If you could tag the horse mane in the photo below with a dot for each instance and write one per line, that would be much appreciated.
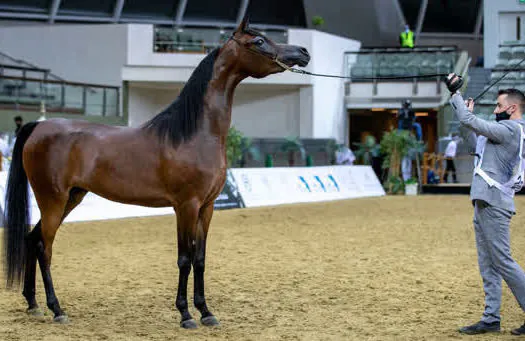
(181, 119)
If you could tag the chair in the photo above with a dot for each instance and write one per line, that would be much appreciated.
(518, 52)
(505, 53)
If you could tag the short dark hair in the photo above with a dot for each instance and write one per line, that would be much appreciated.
(515, 95)
(18, 118)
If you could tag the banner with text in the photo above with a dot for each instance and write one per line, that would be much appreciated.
(274, 186)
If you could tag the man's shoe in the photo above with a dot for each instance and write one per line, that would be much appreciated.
(518, 331)
(480, 328)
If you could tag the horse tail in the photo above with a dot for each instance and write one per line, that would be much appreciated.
(16, 210)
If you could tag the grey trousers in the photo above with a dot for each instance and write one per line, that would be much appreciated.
(491, 225)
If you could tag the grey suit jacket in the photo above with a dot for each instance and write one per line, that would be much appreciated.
(499, 156)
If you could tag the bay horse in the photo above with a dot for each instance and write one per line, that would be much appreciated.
(177, 159)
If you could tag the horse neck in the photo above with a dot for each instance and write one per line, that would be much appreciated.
(219, 95)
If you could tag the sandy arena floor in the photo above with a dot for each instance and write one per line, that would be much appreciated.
(368, 269)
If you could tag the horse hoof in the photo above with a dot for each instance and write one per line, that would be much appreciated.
(189, 324)
(210, 321)
(35, 312)
(62, 319)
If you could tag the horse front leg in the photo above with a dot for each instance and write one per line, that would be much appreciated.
(187, 216)
(207, 318)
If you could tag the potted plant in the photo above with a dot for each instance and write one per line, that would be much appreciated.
(317, 21)
(395, 145)
(237, 147)
(292, 146)
(411, 186)
(367, 151)
(330, 150)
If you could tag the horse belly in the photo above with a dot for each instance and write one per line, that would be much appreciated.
(129, 186)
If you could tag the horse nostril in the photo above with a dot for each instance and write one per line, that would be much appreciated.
(304, 51)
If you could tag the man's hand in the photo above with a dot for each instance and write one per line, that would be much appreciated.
(470, 104)
(453, 82)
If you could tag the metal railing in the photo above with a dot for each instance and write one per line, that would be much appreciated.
(59, 96)
(5, 58)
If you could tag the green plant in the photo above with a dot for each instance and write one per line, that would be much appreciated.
(317, 20)
(411, 181)
(268, 162)
(309, 161)
(367, 150)
(331, 148)
(395, 145)
(237, 146)
(394, 185)
(292, 145)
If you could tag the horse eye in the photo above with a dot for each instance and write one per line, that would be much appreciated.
(259, 42)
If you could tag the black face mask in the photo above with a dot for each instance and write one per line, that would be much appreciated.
(502, 116)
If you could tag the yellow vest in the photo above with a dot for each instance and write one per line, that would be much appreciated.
(407, 39)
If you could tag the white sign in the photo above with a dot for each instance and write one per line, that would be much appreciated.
(274, 186)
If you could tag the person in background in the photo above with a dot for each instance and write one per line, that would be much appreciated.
(450, 155)
(344, 156)
(407, 119)
(406, 38)
(19, 123)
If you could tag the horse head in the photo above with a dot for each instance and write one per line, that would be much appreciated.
(258, 55)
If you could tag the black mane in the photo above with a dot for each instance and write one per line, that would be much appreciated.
(181, 120)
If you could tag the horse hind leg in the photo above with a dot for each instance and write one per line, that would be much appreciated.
(52, 216)
(29, 291)
(199, 256)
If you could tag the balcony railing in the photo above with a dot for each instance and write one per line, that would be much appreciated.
(199, 40)
(59, 96)
(389, 62)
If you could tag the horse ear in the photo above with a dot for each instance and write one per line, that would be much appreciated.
(244, 23)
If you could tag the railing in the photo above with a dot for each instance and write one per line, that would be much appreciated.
(24, 72)
(59, 96)
(388, 62)
(199, 40)
(5, 58)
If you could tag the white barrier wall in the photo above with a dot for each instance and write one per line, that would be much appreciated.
(256, 187)
(276, 186)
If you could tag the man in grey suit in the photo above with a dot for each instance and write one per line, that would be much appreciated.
(498, 174)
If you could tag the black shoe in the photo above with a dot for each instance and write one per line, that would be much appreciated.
(480, 328)
(518, 331)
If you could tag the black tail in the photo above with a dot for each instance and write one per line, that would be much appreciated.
(16, 211)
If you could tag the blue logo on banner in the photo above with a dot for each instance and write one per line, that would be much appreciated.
(331, 177)
(319, 180)
(305, 183)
